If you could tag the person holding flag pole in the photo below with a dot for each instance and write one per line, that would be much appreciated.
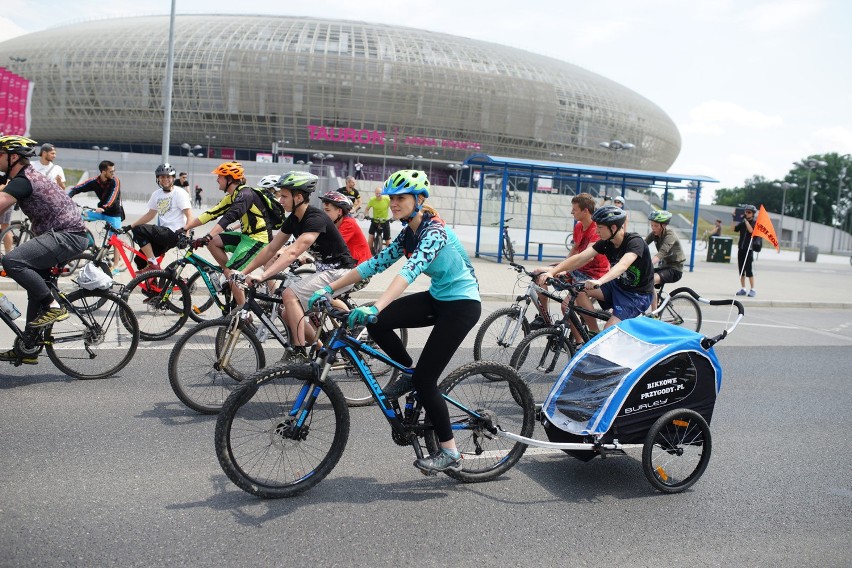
(749, 228)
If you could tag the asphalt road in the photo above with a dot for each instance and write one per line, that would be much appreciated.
(118, 473)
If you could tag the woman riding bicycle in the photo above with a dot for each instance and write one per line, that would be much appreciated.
(452, 304)
(337, 206)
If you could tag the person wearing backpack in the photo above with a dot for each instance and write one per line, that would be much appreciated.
(240, 203)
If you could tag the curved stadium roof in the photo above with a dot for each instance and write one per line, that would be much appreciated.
(251, 80)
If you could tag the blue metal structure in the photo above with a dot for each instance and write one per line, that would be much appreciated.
(579, 174)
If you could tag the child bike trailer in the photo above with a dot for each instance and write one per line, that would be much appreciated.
(641, 382)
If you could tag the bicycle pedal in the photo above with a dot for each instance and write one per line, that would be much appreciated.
(427, 473)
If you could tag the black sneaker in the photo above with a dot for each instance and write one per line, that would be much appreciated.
(442, 461)
(403, 385)
(537, 323)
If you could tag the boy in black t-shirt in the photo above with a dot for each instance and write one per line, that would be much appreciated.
(313, 230)
(628, 286)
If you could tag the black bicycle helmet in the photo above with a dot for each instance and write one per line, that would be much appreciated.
(609, 215)
(164, 170)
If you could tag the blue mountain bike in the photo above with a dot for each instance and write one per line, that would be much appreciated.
(283, 430)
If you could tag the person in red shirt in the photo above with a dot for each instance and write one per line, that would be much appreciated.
(585, 233)
(337, 206)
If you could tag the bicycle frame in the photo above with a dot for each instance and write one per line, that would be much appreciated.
(205, 268)
(111, 240)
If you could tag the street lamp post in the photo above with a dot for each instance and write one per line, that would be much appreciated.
(836, 219)
(810, 165)
(458, 169)
(412, 157)
(322, 158)
(209, 137)
(190, 153)
(276, 149)
(385, 157)
(783, 186)
(432, 155)
(99, 148)
(616, 146)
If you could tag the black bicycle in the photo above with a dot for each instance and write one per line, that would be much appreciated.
(377, 232)
(97, 339)
(210, 360)
(508, 249)
(284, 430)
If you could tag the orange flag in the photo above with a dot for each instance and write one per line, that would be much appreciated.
(763, 228)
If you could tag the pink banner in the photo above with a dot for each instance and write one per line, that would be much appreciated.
(15, 96)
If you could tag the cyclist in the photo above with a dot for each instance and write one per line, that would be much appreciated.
(452, 304)
(585, 233)
(669, 259)
(107, 187)
(57, 226)
(628, 285)
(313, 229)
(618, 201)
(717, 229)
(353, 194)
(240, 203)
(337, 207)
(172, 210)
(380, 222)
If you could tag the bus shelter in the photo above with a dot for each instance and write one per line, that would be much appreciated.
(541, 188)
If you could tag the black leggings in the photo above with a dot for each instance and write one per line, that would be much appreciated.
(451, 320)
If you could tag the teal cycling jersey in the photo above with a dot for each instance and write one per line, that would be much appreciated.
(434, 250)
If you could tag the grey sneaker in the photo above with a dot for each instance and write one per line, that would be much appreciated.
(752, 293)
(741, 292)
(442, 461)
(403, 384)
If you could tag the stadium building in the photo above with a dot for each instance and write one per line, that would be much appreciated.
(301, 89)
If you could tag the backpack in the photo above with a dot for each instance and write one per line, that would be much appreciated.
(757, 244)
(274, 213)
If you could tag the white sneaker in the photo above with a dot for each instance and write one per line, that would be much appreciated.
(752, 293)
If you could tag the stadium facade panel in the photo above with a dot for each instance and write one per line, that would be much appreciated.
(330, 86)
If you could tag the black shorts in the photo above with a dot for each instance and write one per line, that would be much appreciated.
(668, 274)
(383, 226)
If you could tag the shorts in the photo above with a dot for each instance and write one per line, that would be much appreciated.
(625, 305)
(310, 283)
(745, 261)
(377, 226)
(577, 276)
(115, 222)
(668, 274)
(242, 247)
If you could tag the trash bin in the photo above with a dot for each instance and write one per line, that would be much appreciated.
(811, 253)
(719, 249)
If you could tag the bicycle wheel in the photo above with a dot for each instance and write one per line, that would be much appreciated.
(160, 301)
(256, 440)
(501, 399)
(196, 373)
(98, 340)
(19, 233)
(79, 261)
(202, 307)
(569, 241)
(541, 357)
(701, 245)
(508, 248)
(499, 334)
(682, 310)
(677, 450)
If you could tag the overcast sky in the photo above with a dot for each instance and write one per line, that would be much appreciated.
(752, 85)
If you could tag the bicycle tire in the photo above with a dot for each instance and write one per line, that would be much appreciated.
(194, 372)
(250, 439)
(20, 235)
(496, 392)
(160, 302)
(499, 335)
(96, 342)
(569, 241)
(541, 357)
(682, 310)
(677, 450)
(202, 307)
(701, 245)
(508, 248)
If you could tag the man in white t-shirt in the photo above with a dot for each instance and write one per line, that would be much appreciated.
(46, 166)
(173, 209)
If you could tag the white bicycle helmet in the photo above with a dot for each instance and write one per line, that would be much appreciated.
(268, 182)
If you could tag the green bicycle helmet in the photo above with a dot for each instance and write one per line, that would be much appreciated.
(301, 181)
(408, 182)
(660, 216)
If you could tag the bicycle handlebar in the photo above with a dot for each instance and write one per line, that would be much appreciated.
(709, 342)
